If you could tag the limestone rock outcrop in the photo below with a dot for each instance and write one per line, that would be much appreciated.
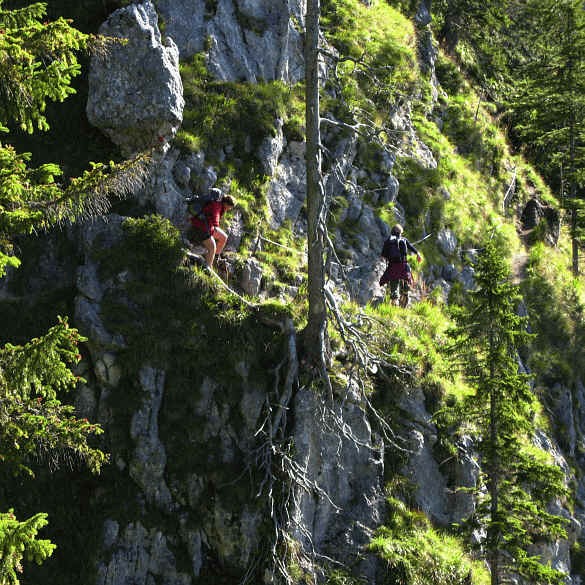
(245, 39)
(135, 90)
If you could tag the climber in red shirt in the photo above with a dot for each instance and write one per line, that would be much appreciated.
(205, 227)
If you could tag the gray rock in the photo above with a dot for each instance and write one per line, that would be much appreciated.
(88, 282)
(235, 231)
(148, 464)
(196, 162)
(111, 531)
(580, 408)
(287, 190)
(427, 55)
(89, 320)
(354, 208)
(107, 371)
(384, 229)
(85, 402)
(422, 469)
(391, 192)
(399, 213)
(400, 119)
(557, 553)
(387, 162)
(182, 173)
(450, 273)
(271, 149)
(248, 39)
(444, 286)
(135, 91)
(466, 278)
(447, 242)
(234, 535)
(563, 409)
(352, 476)
(139, 555)
(467, 474)
(162, 191)
(251, 277)
(193, 541)
(209, 179)
(534, 212)
(369, 226)
(445, 193)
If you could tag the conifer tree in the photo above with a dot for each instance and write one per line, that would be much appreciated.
(548, 104)
(37, 64)
(520, 481)
(473, 21)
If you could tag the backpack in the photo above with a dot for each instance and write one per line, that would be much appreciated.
(196, 203)
(391, 250)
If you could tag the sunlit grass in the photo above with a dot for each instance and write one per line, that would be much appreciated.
(418, 554)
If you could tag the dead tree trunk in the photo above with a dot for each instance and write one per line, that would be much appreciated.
(315, 333)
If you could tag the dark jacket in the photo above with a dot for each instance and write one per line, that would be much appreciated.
(399, 269)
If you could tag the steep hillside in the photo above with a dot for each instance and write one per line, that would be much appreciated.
(232, 462)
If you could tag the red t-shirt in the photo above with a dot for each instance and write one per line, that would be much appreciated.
(213, 212)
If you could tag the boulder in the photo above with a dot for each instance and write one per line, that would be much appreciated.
(135, 89)
(534, 212)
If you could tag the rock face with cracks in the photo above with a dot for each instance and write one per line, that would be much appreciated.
(246, 39)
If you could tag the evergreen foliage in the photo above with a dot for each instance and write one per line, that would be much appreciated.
(548, 105)
(33, 421)
(37, 64)
(17, 542)
(472, 21)
(520, 481)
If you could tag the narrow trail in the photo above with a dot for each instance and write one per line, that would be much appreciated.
(518, 267)
(520, 259)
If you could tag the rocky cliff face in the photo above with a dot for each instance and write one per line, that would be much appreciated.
(183, 401)
(248, 39)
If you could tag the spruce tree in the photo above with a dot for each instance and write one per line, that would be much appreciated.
(37, 63)
(548, 103)
(519, 480)
(471, 21)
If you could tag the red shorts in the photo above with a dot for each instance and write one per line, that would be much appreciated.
(396, 271)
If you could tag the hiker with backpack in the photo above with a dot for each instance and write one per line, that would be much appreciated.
(206, 213)
(398, 272)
